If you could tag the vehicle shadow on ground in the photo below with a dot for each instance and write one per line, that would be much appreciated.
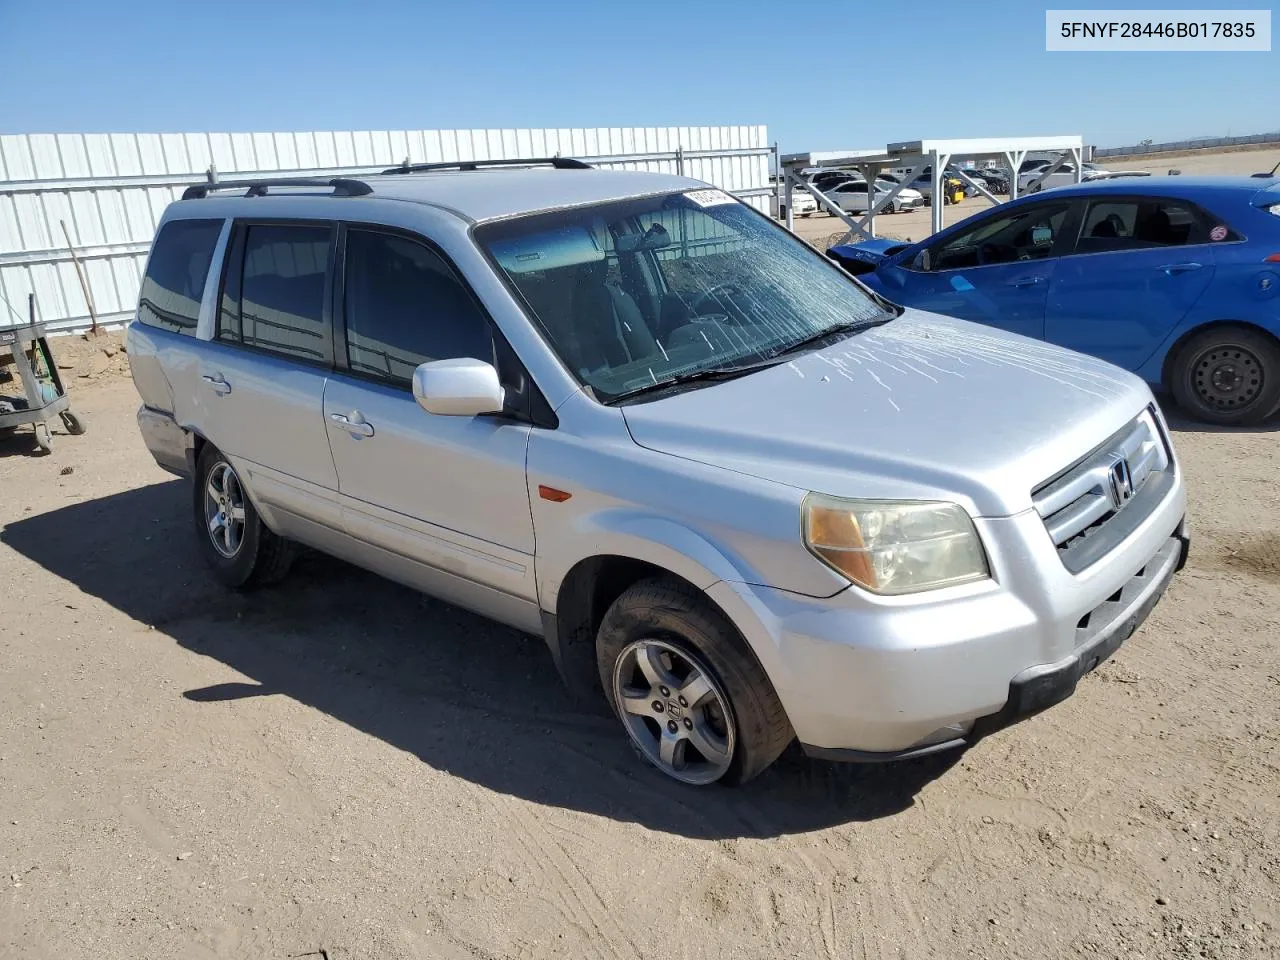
(465, 695)
(1180, 422)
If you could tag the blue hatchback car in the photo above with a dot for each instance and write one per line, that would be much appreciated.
(1174, 278)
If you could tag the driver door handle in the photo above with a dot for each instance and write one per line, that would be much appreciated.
(1026, 281)
(1173, 269)
(359, 428)
(219, 384)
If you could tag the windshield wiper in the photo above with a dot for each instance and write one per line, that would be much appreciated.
(711, 374)
(847, 327)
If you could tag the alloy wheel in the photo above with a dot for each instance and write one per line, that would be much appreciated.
(675, 711)
(224, 509)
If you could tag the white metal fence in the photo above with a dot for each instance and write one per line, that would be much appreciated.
(104, 193)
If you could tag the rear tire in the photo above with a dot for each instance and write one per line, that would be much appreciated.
(234, 541)
(1228, 375)
(738, 713)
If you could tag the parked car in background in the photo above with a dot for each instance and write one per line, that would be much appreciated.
(852, 197)
(743, 499)
(954, 189)
(890, 180)
(994, 180)
(1063, 176)
(911, 196)
(829, 179)
(803, 203)
(1176, 279)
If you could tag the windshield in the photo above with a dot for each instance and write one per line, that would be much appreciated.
(634, 293)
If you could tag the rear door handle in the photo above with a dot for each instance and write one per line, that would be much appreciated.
(220, 386)
(1172, 269)
(359, 428)
(1026, 281)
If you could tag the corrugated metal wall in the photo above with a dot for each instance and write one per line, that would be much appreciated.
(110, 189)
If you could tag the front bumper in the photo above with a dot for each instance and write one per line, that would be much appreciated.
(883, 678)
(1037, 688)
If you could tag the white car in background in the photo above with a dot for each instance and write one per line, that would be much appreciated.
(909, 196)
(1064, 175)
(852, 197)
(802, 203)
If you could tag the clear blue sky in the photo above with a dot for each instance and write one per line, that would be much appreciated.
(815, 75)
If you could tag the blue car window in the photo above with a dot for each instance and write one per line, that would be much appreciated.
(1137, 224)
(1027, 234)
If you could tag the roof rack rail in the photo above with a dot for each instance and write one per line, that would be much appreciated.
(342, 186)
(560, 163)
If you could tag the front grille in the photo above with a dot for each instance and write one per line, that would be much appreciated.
(1080, 502)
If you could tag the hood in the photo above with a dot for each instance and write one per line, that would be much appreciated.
(924, 407)
(862, 258)
(872, 251)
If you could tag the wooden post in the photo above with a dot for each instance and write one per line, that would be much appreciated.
(84, 279)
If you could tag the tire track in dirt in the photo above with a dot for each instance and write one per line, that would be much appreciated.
(581, 901)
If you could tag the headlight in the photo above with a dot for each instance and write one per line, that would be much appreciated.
(892, 547)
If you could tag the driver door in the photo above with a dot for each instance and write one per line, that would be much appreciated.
(996, 271)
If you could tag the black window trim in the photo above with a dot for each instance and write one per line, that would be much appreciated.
(237, 242)
(527, 401)
(1205, 220)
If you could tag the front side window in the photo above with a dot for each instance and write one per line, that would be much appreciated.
(1135, 224)
(176, 274)
(635, 294)
(404, 306)
(1027, 234)
(282, 291)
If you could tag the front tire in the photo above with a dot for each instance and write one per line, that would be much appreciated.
(234, 541)
(692, 697)
(1228, 376)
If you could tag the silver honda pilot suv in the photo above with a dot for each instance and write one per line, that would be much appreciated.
(744, 497)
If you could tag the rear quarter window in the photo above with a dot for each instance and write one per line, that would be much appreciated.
(176, 274)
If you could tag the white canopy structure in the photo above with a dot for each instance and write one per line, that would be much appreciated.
(937, 154)
(913, 156)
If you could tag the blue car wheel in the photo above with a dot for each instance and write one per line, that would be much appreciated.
(1228, 375)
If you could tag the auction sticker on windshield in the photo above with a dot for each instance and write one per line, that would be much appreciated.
(710, 198)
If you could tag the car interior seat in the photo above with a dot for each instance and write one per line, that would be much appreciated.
(604, 326)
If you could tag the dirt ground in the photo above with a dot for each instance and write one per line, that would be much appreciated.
(342, 768)
(824, 229)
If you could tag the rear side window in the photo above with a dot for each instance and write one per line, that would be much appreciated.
(282, 288)
(176, 272)
(1138, 225)
(405, 306)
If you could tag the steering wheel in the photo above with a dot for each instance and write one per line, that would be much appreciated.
(721, 309)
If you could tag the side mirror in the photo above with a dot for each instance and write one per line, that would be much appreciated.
(458, 388)
(923, 261)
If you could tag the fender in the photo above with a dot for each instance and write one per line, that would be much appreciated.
(638, 535)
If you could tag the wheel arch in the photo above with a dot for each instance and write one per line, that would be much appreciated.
(1171, 354)
(587, 591)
